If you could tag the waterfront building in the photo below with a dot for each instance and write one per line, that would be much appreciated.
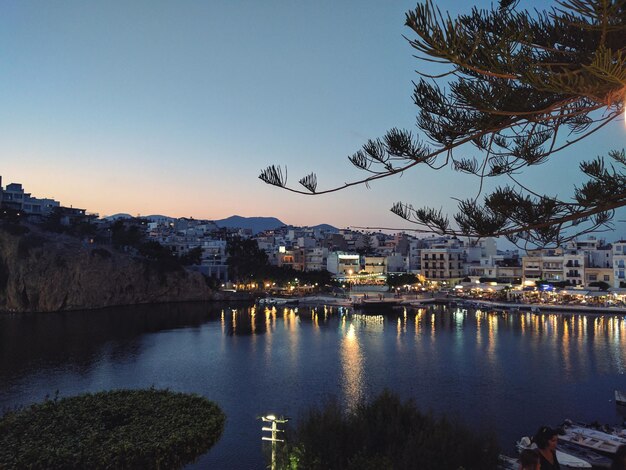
(579, 264)
(505, 268)
(619, 264)
(342, 263)
(375, 264)
(443, 262)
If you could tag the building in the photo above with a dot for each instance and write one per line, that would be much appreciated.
(443, 263)
(14, 197)
(619, 263)
(343, 264)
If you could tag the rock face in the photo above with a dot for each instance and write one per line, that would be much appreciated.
(42, 272)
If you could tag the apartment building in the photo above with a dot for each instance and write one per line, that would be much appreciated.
(443, 263)
(343, 264)
(619, 263)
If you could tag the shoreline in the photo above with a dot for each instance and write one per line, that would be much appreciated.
(387, 302)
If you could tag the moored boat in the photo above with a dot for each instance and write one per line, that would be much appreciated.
(278, 301)
(566, 460)
(595, 459)
(593, 439)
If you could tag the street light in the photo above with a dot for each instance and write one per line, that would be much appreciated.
(274, 421)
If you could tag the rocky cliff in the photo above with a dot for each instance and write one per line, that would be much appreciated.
(43, 272)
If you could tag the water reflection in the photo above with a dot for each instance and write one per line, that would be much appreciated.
(351, 365)
(480, 364)
(79, 339)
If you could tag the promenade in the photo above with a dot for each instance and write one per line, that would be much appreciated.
(413, 301)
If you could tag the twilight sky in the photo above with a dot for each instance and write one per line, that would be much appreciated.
(174, 107)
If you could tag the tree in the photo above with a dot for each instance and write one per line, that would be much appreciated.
(397, 280)
(386, 433)
(518, 88)
(245, 259)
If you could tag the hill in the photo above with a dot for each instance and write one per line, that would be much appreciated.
(256, 224)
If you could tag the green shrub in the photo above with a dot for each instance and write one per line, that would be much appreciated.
(116, 429)
(385, 434)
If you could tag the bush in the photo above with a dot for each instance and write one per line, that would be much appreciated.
(385, 434)
(114, 429)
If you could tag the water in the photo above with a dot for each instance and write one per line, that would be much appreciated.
(506, 373)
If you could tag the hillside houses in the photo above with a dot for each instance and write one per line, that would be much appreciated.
(359, 256)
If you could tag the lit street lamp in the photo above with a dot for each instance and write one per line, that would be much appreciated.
(274, 421)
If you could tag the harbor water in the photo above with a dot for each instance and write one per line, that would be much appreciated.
(506, 373)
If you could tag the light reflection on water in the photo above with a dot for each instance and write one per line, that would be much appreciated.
(509, 371)
(351, 365)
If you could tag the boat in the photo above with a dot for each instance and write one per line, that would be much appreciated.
(594, 458)
(620, 397)
(278, 302)
(566, 460)
(593, 439)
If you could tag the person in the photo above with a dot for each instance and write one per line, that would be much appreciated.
(546, 440)
(619, 459)
(529, 460)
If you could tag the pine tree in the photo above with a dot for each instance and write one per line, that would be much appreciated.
(520, 86)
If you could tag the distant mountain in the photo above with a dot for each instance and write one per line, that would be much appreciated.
(325, 228)
(151, 218)
(117, 216)
(159, 218)
(256, 224)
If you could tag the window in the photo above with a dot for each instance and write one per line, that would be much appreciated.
(607, 277)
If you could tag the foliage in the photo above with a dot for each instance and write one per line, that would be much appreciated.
(123, 235)
(384, 434)
(517, 87)
(115, 429)
(52, 222)
(603, 286)
(248, 263)
(395, 280)
(193, 256)
(245, 259)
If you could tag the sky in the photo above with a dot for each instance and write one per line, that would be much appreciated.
(175, 107)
